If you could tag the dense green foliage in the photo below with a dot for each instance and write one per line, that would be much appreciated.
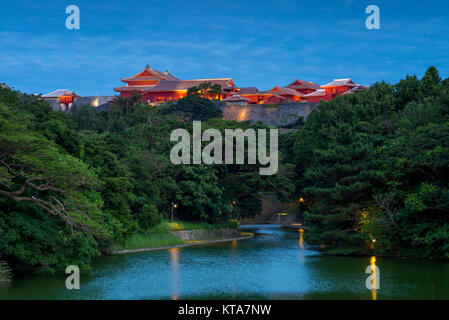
(77, 185)
(193, 107)
(374, 169)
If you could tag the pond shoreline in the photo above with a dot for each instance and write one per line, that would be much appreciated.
(189, 244)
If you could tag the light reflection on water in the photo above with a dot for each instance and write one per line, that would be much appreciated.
(174, 253)
(375, 276)
(276, 264)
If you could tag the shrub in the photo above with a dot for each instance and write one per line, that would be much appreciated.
(149, 217)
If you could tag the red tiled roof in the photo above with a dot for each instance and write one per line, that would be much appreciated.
(284, 91)
(341, 83)
(318, 93)
(143, 78)
(301, 84)
(150, 74)
(357, 89)
(273, 96)
(236, 97)
(173, 85)
(248, 90)
(58, 93)
(133, 88)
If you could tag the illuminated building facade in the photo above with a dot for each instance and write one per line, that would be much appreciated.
(159, 87)
(64, 98)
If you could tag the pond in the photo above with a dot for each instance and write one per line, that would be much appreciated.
(275, 264)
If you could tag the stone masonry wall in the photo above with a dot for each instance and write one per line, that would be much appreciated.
(277, 115)
(207, 234)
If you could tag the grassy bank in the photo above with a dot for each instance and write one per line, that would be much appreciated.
(178, 225)
(160, 235)
(151, 240)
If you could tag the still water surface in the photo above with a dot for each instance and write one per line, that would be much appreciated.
(276, 264)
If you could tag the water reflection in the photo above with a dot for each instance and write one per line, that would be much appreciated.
(277, 263)
(374, 277)
(174, 255)
(234, 262)
(301, 240)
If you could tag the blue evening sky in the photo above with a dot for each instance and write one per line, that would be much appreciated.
(257, 43)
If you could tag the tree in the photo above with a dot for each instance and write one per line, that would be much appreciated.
(122, 105)
(85, 118)
(428, 85)
(206, 90)
(149, 216)
(374, 169)
(193, 107)
(34, 170)
(50, 208)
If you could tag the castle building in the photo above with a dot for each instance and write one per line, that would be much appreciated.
(304, 87)
(339, 86)
(285, 93)
(61, 99)
(144, 80)
(156, 87)
(251, 93)
(175, 89)
(237, 99)
(316, 96)
(64, 100)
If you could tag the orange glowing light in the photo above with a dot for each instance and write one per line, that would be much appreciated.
(95, 103)
(373, 281)
(243, 115)
(301, 240)
(174, 255)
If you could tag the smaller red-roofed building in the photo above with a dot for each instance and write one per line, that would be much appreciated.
(304, 87)
(317, 96)
(62, 97)
(251, 93)
(274, 99)
(339, 86)
(289, 95)
(357, 89)
(237, 99)
(255, 96)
